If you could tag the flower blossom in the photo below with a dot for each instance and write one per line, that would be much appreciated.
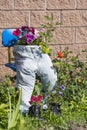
(33, 99)
(60, 93)
(45, 106)
(36, 34)
(29, 38)
(36, 99)
(39, 98)
(62, 87)
(24, 28)
(16, 32)
(31, 29)
(60, 54)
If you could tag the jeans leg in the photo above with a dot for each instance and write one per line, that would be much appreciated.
(26, 81)
(47, 72)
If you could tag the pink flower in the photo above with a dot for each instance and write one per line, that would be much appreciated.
(39, 98)
(36, 34)
(36, 99)
(31, 29)
(33, 99)
(16, 32)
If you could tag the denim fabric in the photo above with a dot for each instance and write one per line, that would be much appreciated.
(29, 62)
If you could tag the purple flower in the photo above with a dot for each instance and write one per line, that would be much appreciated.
(30, 38)
(31, 29)
(26, 35)
(24, 28)
(62, 87)
(60, 93)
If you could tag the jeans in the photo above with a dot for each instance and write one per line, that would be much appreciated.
(29, 62)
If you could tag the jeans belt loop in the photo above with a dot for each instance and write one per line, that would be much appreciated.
(32, 49)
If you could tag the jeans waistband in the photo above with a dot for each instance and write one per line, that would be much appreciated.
(27, 48)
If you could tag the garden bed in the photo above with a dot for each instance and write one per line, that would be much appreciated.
(70, 93)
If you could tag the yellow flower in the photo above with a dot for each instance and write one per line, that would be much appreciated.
(44, 47)
(46, 50)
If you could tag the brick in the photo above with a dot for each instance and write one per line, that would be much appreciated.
(4, 71)
(63, 47)
(78, 48)
(81, 4)
(68, 18)
(74, 18)
(64, 35)
(3, 55)
(3, 60)
(81, 35)
(55, 48)
(60, 4)
(6, 4)
(68, 48)
(13, 19)
(38, 18)
(30, 4)
(58, 47)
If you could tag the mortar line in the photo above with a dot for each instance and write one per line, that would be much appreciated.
(14, 5)
(29, 18)
(75, 4)
(75, 37)
(45, 5)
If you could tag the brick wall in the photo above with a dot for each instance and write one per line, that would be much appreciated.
(71, 13)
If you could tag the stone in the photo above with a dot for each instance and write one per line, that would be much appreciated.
(81, 35)
(38, 18)
(81, 4)
(74, 18)
(30, 4)
(6, 4)
(64, 35)
(13, 19)
(60, 4)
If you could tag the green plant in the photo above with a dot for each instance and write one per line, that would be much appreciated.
(14, 113)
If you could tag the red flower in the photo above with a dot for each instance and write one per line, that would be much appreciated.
(16, 32)
(24, 28)
(31, 29)
(60, 54)
(33, 99)
(36, 99)
(39, 98)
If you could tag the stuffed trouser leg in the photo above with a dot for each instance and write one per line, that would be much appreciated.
(26, 81)
(48, 73)
(26, 70)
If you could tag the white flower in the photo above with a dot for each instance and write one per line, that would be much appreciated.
(45, 106)
(36, 33)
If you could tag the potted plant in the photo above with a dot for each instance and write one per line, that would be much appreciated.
(31, 36)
